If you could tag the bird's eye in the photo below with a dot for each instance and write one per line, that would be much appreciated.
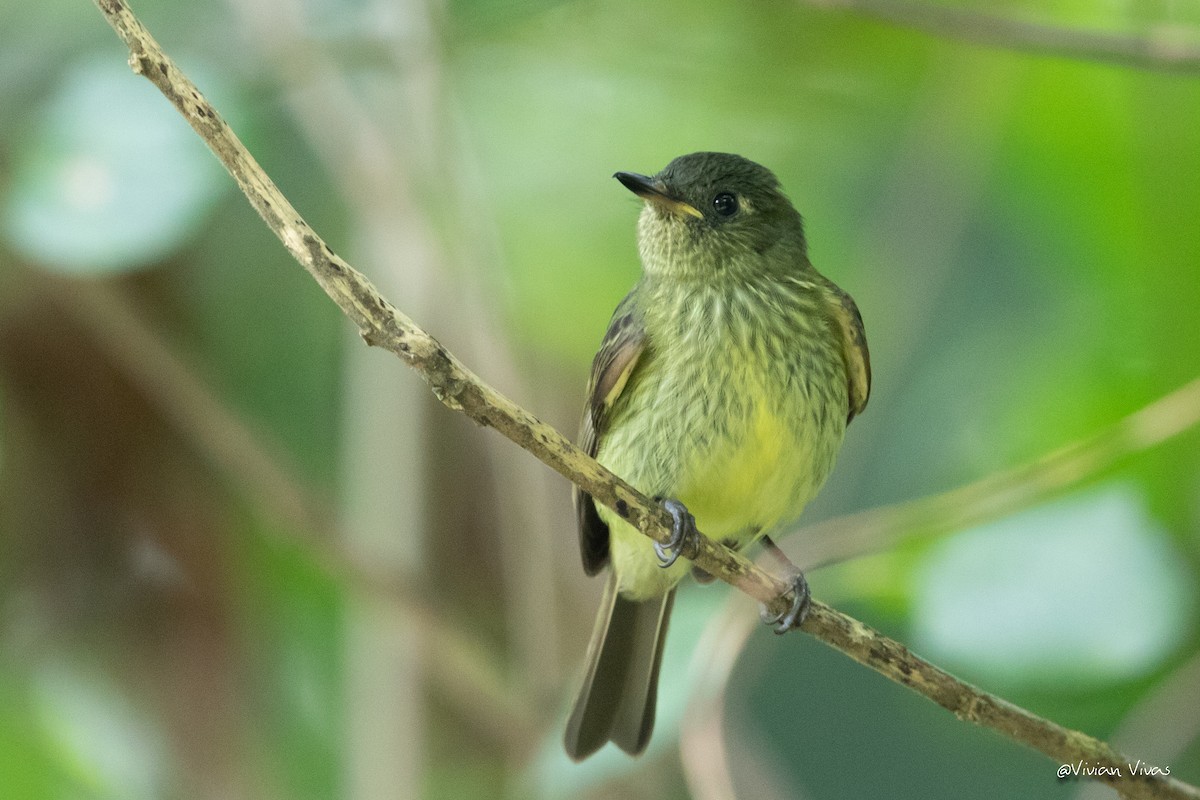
(725, 204)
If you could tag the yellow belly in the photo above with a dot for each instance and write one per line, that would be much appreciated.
(739, 486)
(747, 485)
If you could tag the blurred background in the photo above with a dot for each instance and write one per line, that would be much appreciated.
(244, 556)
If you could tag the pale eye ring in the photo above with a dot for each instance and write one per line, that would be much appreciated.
(725, 204)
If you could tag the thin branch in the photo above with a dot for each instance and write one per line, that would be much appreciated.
(1165, 721)
(117, 326)
(1001, 493)
(703, 749)
(1164, 47)
(381, 325)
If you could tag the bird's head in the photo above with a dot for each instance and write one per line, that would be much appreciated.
(713, 214)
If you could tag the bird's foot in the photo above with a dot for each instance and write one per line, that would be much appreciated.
(794, 616)
(684, 536)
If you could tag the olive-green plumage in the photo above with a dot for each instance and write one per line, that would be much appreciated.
(726, 380)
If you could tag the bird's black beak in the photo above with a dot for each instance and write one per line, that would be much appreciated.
(654, 191)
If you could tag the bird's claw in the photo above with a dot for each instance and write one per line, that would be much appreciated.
(684, 535)
(794, 616)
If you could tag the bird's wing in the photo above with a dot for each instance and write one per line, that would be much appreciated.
(619, 353)
(848, 325)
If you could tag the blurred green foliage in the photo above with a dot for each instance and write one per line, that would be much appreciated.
(1019, 230)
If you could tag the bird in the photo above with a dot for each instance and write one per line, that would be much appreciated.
(722, 388)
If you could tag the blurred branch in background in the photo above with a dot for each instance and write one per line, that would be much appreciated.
(458, 669)
(1001, 493)
(386, 463)
(119, 328)
(381, 324)
(1164, 47)
(379, 162)
(703, 746)
(1163, 724)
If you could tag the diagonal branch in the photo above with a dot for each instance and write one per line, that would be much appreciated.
(381, 325)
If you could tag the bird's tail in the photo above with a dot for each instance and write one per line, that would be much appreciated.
(620, 687)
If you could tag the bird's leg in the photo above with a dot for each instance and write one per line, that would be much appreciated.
(801, 596)
(684, 535)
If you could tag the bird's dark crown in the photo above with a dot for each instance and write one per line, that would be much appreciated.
(698, 178)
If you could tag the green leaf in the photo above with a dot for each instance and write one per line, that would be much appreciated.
(1087, 589)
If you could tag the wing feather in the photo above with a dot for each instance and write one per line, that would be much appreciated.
(847, 323)
(615, 362)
